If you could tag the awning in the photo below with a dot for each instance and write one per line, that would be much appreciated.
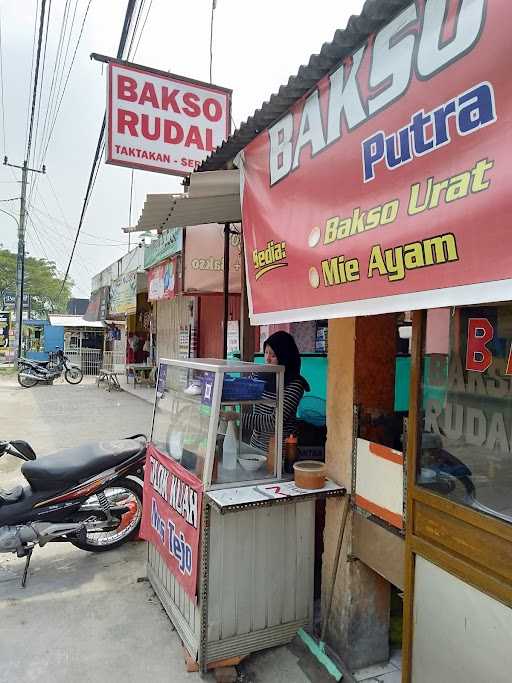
(73, 321)
(213, 197)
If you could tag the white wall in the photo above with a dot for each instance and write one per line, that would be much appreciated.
(461, 635)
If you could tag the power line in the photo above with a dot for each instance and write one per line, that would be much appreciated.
(94, 170)
(51, 94)
(136, 26)
(36, 78)
(55, 69)
(143, 27)
(57, 110)
(214, 5)
(42, 74)
(32, 67)
(107, 242)
(2, 87)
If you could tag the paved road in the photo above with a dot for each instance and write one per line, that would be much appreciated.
(85, 617)
(82, 617)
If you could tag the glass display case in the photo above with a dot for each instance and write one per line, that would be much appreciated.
(221, 420)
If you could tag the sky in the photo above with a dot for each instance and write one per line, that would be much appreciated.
(256, 47)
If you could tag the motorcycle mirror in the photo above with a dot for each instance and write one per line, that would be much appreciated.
(25, 449)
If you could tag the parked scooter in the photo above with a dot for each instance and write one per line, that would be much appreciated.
(30, 372)
(90, 496)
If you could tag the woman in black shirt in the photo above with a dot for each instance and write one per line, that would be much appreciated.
(279, 349)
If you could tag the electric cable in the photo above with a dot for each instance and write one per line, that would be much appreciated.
(4, 134)
(143, 27)
(32, 69)
(42, 77)
(94, 170)
(214, 5)
(36, 78)
(55, 70)
(136, 25)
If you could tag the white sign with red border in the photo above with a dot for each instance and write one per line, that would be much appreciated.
(162, 122)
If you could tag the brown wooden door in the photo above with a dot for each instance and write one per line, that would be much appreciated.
(468, 550)
(211, 318)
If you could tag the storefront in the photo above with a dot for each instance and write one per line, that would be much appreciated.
(191, 315)
(171, 312)
(383, 189)
(203, 278)
(130, 309)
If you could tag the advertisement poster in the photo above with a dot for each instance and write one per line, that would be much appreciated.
(204, 259)
(157, 121)
(386, 188)
(5, 319)
(123, 294)
(98, 305)
(9, 301)
(163, 280)
(167, 244)
(233, 337)
(171, 518)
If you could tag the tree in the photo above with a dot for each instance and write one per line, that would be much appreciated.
(42, 281)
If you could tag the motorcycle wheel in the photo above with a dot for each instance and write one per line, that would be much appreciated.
(74, 376)
(26, 382)
(124, 493)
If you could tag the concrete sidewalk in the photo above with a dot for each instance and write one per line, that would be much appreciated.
(84, 616)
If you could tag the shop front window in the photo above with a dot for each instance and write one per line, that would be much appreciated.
(465, 453)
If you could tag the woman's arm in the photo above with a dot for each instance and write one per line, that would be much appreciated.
(266, 422)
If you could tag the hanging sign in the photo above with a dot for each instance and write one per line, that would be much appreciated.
(10, 300)
(161, 122)
(204, 259)
(167, 244)
(123, 294)
(97, 308)
(387, 187)
(171, 516)
(163, 280)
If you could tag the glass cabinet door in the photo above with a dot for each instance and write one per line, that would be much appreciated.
(181, 419)
(225, 427)
(465, 453)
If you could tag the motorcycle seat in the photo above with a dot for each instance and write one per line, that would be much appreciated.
(75, 465)
(12, 496)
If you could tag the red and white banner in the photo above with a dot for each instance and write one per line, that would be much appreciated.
(161, 122)
(171, 517)
(163, 280)
(387, 187)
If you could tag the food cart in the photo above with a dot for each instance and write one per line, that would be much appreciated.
(231, 541)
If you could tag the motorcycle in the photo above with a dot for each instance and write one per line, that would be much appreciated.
(30, 372)
(89, 496)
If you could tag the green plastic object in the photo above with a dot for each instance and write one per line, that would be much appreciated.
(317, 649)
(403, 377)
(314, 369)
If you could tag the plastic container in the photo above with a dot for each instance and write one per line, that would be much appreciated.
(242, 388)
(251, 462)
(309, 474)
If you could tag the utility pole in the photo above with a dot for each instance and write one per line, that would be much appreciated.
(20, 259)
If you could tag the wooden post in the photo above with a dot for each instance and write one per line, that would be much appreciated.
(418, 334)
(247, 345)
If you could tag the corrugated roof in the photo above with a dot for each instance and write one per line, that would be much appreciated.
(374, 15)
(212, 198)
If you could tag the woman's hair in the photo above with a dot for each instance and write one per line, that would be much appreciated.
(287, 353)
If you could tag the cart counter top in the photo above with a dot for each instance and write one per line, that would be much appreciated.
(243, 497)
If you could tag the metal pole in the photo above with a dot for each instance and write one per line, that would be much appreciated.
(227, 233)
(20, 263)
